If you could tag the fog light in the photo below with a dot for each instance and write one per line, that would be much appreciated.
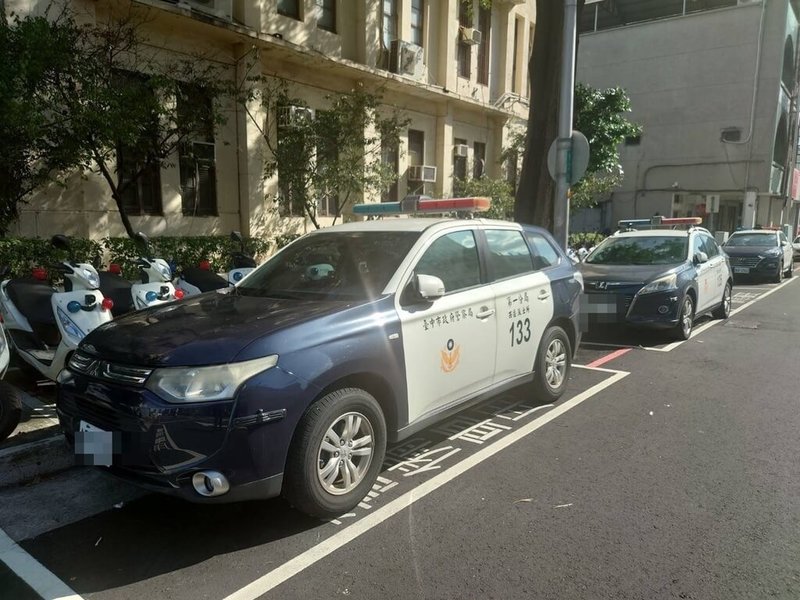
(663, 309)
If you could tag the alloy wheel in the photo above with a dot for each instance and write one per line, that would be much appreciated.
(345, 453)
(555, 363)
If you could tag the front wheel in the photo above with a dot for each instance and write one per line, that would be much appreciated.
(553, 362)
(336, 453)
(10, 410)
(683, 330)
(723, 311)
(790, 271)
(779, 275)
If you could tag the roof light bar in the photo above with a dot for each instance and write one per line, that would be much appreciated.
(424, 204)
(659, 221)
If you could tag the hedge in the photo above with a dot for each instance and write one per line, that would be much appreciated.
(23, 254)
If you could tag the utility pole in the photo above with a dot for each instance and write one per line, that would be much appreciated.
(565, 115)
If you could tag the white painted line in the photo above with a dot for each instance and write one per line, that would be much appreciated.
(762, 296)
(316, 553)
(32, 572)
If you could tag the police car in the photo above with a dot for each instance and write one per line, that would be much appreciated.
(761, 253)
(294, 381)
(658, 277)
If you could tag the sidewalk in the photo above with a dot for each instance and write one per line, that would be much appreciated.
(36, 447)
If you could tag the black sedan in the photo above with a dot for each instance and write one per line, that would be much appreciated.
(656, 278)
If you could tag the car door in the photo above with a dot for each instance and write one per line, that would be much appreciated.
(788, 252)
(523, 299)
(717, 267)
(449, 344)
(706, 286)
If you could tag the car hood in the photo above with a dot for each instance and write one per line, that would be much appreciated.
(749, 250)
(211, 328)
(626, 273)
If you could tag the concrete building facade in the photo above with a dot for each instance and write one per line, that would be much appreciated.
(712, 83)
(462, 88)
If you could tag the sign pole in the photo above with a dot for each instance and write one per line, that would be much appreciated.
(565, 110)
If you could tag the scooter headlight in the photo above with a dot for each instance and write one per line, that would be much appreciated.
(69, 326)
(165, 271)
(92, 278)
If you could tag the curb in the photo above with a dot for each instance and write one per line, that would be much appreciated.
(22, 463)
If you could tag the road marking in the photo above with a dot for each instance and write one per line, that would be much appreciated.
(316, 553)
(608, 357)
(32, 572)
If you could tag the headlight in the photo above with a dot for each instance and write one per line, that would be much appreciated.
(92, 278)
(662, 284)
(165, 271)
(203, 384)
(70, 328)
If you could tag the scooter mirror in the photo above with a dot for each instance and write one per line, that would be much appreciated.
(60, 241)
(144, 242)
(236, 236)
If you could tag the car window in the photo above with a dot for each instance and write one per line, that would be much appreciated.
(710, 246)
(656, 250)
(332, 265)
(453, 258)
(509, 255)
(544, 255)
(782, 237)
(752, 239)
(697, 244)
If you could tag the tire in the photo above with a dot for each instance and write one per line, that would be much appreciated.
(306, 484)
(10, 410)
(553, 364)
(779, 277)
(723, 311)
(683, 330)
(790, 271)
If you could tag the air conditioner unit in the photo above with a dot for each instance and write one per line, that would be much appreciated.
(406, 58)
(424, 173)
(219, 8)
(470, 35)
(460, 150)
(294, 116)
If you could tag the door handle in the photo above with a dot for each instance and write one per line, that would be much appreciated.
(485, 313)
(544, 295)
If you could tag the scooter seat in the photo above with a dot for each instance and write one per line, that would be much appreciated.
(119, 290)
(32, 298)
(203, 280)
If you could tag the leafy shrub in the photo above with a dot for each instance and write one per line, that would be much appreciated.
(579, 239)
(21, 255)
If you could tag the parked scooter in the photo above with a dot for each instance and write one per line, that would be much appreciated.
(44, 325)
(199, 279)
(10, 403)
(156, 285)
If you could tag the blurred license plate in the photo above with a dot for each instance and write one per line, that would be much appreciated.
(741, 269)
(94, 446)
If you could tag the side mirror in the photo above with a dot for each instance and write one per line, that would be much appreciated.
(143, 242)
(428, 287)
(60, 241)
(784, 243)
(700, 258)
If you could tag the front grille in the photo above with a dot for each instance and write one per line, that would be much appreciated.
(744, 261)
(102, 369)
(99, 414)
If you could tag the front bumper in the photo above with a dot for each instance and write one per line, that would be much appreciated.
(658, 310)
(755, 267)
(159, 446)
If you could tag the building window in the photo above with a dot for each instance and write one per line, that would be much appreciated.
(389, 22)
(197, 154)
(327, 15)
(417, 21)
(464, 50)
(292, 183)
(390, 156)
(478, 160)
(459, 162)
(416, 147)
(289, 8)
(485, 27)
(515, 52)
(138, 169)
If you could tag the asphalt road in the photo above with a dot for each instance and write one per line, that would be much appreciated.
(669, 471)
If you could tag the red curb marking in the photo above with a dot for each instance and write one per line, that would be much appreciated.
(609, 357)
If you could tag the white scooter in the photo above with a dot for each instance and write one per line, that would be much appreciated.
(44, 325)
(156, 285)
(243, 263)
(199, 279)
(10, 403)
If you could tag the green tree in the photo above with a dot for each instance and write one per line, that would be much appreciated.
(330, 156)
(97, 98)
(38, 144)
(498, 190)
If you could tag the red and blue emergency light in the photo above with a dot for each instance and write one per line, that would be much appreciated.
(424, 204)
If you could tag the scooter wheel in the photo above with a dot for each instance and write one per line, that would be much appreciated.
(10, 410)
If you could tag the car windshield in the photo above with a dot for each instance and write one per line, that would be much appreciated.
(752, 239)
(332, 265)
(656, 250)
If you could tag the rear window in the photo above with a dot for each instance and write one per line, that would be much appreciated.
(654, 250)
